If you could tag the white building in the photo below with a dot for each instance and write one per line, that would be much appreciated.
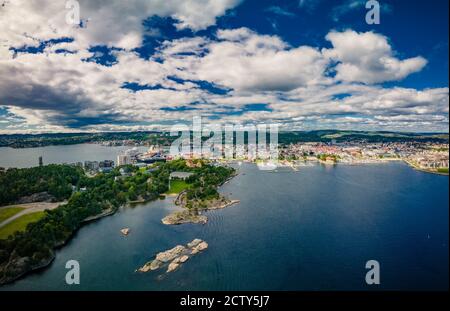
(123, 159)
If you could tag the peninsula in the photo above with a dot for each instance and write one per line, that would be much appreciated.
(201, 195)
(88, 199)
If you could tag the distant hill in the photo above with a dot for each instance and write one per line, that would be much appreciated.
(340, 136)
(163, 138)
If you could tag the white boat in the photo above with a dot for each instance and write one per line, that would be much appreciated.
(267, 165)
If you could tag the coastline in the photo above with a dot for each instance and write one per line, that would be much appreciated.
(20, 266)
(40, 266)
(295, 166)
(145, 254)
(47, 261)
(420, 169)
(199, 219)
(105, 213)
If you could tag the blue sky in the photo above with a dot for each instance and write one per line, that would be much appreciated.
(304, 64)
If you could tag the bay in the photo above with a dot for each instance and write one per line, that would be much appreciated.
(313, 229)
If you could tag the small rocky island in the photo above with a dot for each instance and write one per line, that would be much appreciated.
(173, 258)
(193, 209)
(125, 231)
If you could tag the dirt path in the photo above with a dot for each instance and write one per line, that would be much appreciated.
(28, 209)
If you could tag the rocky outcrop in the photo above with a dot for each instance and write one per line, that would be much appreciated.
(220, 204)
(20, 266)
(36, 197)
(183, 217)
(193, 215)
(175, 257)
(106, 212)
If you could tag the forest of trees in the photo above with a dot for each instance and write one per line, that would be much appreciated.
(56, 180)
(205, 181)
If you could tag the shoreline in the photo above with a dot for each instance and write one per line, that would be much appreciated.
(423, 170)
(47, 261)
(296, 166)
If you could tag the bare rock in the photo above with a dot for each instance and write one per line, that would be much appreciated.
(175, 257)
(173, 266)
(194, 243)
(170, 254)
(184, 258)
(202, 246)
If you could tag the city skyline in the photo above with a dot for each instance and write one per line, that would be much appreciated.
(308, 64)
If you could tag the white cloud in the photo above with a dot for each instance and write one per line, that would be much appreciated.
(246, 61)
(108, 22)
(61, 92)
(368, 58)
(199, 14)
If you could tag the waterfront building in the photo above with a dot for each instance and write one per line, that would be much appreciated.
(123, 159)
(91, 165)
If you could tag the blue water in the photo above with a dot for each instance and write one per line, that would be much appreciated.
(313, 229)
(29, 157)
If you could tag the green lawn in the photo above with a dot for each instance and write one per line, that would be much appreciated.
(443, 170)
(19, 224)
(176, 186)
(8, 212)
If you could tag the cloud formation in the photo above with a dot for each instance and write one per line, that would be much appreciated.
(234, 76)
(368, 58)
(104, 22)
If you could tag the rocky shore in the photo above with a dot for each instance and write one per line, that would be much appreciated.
(20, 266)
(106, 212)
(173, 258)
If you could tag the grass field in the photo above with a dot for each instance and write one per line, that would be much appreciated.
(176, 186)
(8, 212)
(19, 224)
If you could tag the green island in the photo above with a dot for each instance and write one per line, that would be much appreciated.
(87, 199)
